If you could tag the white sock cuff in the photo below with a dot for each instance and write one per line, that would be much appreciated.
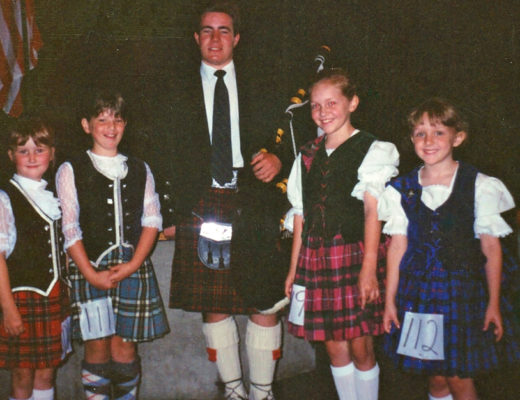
(45, 394)
(367, 375)
(30, 398)
(221, 334)
(448, 397)
(264, 337)
(342, 371)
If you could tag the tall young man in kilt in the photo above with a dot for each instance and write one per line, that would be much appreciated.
(197, 187)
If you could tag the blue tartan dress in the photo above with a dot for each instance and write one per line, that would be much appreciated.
(443, 272)
(105, 208)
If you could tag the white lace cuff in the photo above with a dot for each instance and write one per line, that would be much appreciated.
(289, 218)
(72, 233)
(389, 209)
(152, 221)
(4, 244)
(374, 188)
(493, 225)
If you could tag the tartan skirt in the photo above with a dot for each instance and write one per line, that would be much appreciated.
(40, 344)
(136, 301)
(460, 295)
(332, 307)
(194, 287)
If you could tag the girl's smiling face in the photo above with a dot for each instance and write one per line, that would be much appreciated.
(330, 108)
(434, 142)
(107, 131)
(31, 159)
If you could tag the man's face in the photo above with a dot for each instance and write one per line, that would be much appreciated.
(216, 39)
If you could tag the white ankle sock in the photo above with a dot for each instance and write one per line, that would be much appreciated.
(344, 381)
(448, 397)
(222, 346)
(30, 398)
(263, 345)
(45, 394)
(367, 383)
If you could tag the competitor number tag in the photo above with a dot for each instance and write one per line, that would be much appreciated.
(66, 341)
(97, 319)
(422, 336)
(216, 231)
(297, 312)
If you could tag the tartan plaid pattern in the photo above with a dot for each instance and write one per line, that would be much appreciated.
(468, 350)
(195, 287)
(330, 273)
(39, 346)
(136, 301)
(442, 272)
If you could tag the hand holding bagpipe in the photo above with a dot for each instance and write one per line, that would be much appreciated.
(265, 165)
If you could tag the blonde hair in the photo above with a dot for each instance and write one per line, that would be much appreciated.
(339, 78)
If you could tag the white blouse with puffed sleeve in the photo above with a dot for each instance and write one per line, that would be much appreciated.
(378, 167)
(112, 168)
(491, 199)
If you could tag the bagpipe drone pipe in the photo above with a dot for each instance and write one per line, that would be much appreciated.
(260, 247)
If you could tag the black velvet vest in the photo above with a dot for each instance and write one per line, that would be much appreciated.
(327, 183)
(447, 232)
(109, 210)
(37, 258)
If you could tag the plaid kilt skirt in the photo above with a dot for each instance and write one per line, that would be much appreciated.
(332, 308)
(460, 295)
(136, 301)
(40, 345)
(194, 287)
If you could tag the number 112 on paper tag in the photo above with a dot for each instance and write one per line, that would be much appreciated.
(422, 336)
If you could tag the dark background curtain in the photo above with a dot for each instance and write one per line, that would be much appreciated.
(401, 52)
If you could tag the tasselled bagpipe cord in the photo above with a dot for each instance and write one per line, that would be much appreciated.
(298, 100)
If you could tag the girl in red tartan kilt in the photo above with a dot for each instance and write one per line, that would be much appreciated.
(34, 305)
(336, 271)
(111, 216)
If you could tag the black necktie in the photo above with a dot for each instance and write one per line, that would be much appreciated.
(221, 156)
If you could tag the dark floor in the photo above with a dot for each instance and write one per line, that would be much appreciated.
(394, 385)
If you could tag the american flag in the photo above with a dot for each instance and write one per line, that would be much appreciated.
(13, 60)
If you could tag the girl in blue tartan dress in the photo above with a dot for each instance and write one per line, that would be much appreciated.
(111, 216)
(445, 260)
(337, 254)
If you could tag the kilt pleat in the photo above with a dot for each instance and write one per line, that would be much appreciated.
(460, 295)
(136, 301)
(194, 287)
(39, 346)
(332, 307)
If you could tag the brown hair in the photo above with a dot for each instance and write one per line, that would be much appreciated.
(227, 7)
(439, 110)
(98, 101)
(31, 128)
(337, 77)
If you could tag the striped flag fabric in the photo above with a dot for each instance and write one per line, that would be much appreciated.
(13, 60)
